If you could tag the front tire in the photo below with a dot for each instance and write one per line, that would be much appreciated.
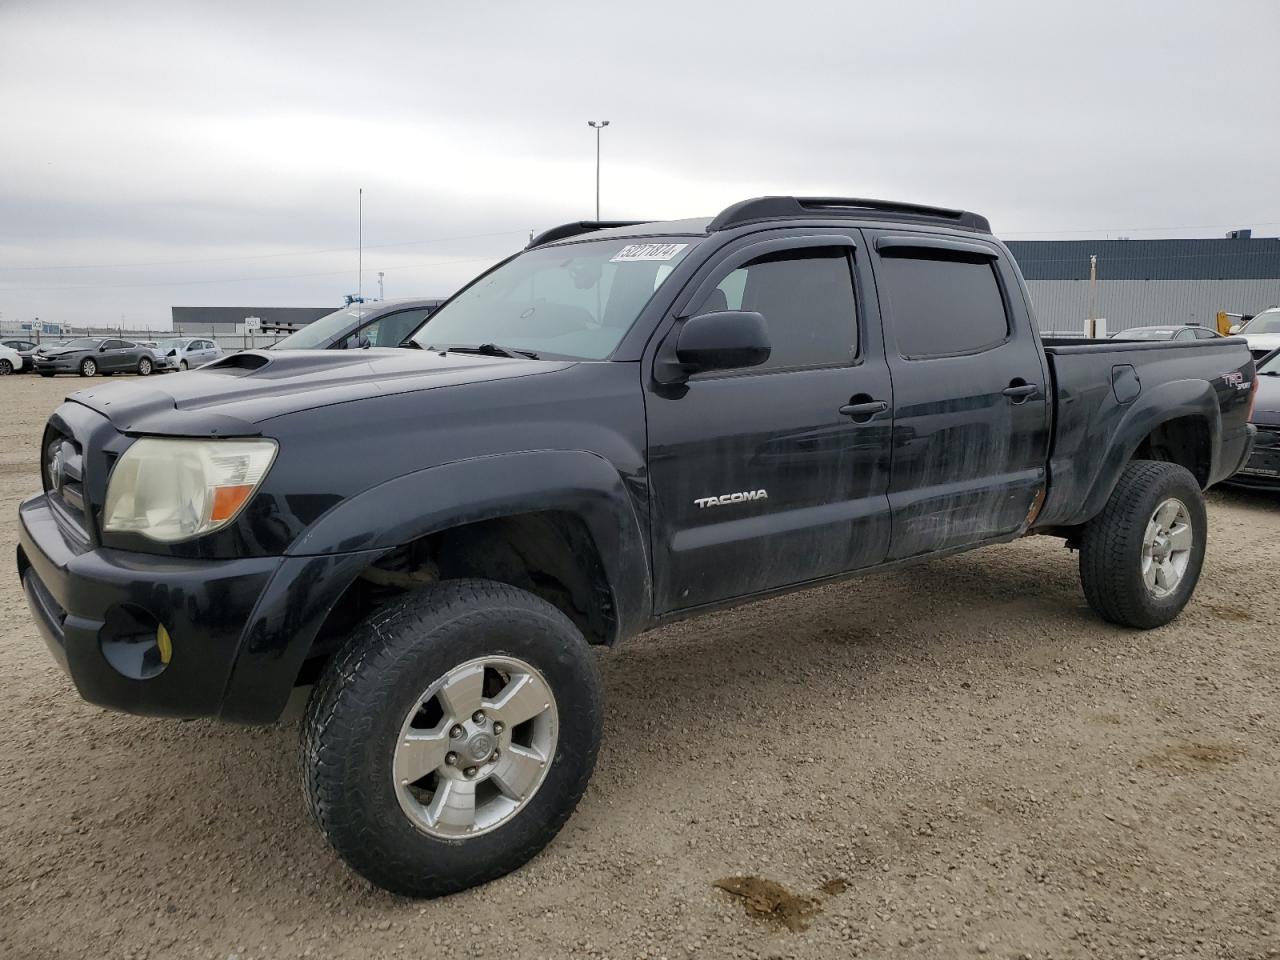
(88, 368)
(1140, 559)
(145, 367)
(182, 365)
(452, 737)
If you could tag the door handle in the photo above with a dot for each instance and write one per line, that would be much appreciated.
(868, 409)
(1017, 391)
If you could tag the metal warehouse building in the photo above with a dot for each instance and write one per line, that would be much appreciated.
(1145, 282)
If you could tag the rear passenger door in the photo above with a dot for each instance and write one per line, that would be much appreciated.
(971, 422)
(758, 478)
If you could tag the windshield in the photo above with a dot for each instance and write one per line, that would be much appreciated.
(321, 331)
(576, 301)
(1266, 322)
(81, 344)
(1146, 333)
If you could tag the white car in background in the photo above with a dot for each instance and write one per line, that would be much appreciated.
(183, 353)
(1262, 332)
(10, 361)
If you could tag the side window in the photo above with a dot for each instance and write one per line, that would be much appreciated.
(112, 344)
(124, 345)
(390, 330)
(1204, 333)
(942, 304)
(806, 298)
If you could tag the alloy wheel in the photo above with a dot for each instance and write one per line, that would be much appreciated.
(475, 747)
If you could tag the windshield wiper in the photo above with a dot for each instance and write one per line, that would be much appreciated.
(493, 350)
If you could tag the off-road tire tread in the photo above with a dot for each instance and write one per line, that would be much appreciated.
(347, 696)
(1111, 539)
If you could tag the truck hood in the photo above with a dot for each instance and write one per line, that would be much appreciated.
(231, 396)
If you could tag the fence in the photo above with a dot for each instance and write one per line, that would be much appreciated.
(229, 342)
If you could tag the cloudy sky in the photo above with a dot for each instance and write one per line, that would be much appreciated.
(175, 152)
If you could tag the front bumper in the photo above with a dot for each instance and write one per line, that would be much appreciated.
(1262, 469)
(57, 366)
(240, 629)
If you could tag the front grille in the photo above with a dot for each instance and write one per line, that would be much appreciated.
(64, 479)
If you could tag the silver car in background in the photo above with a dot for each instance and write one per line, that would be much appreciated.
(184, 353)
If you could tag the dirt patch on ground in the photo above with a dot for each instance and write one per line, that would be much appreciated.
(992, 770)
(1197, 756)
(771, 901)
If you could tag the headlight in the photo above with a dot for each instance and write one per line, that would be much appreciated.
(171, 490)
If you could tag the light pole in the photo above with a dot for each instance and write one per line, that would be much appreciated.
(379, 284)
(597, 125)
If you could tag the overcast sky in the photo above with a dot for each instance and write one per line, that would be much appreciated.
(165, 153)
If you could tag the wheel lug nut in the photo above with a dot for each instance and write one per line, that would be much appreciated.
(498, 727)
(456, 731)
(470, 771)
(496, 754)
(478, 716)
(451, 758)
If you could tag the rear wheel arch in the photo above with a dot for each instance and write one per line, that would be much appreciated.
(1186, 441)
(1178, 422)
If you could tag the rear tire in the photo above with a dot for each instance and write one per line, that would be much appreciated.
(1140, 558)
(378, 692)
(6, 367)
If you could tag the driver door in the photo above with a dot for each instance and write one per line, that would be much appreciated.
(766, 476)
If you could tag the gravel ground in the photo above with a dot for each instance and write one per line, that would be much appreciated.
(956, 760)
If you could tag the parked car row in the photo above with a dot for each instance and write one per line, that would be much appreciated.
(91, 356)
(1188, 331)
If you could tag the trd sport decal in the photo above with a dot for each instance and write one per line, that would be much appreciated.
(720, 501)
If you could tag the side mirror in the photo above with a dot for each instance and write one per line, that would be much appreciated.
(364, 343)
(1233, 329)
(726, 340)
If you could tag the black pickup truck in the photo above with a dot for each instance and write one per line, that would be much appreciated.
(623, 424)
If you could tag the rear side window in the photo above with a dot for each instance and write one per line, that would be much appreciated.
(942, 304)
(807, 300)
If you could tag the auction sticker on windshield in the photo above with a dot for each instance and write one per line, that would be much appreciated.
(647, 251)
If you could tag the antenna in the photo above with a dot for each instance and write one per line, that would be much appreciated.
(360, 245)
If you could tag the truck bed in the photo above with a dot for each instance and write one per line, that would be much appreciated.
(1109, 395)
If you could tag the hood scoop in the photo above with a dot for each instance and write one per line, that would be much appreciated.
(245, 361)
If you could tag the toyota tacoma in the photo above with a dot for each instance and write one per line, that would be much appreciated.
(621, 425)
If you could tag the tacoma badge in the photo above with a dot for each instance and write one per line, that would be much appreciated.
(745, 495)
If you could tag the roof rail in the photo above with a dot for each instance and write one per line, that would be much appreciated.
(577, 227)
(773, 208)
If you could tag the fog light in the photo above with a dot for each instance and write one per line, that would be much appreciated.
(134, 642)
